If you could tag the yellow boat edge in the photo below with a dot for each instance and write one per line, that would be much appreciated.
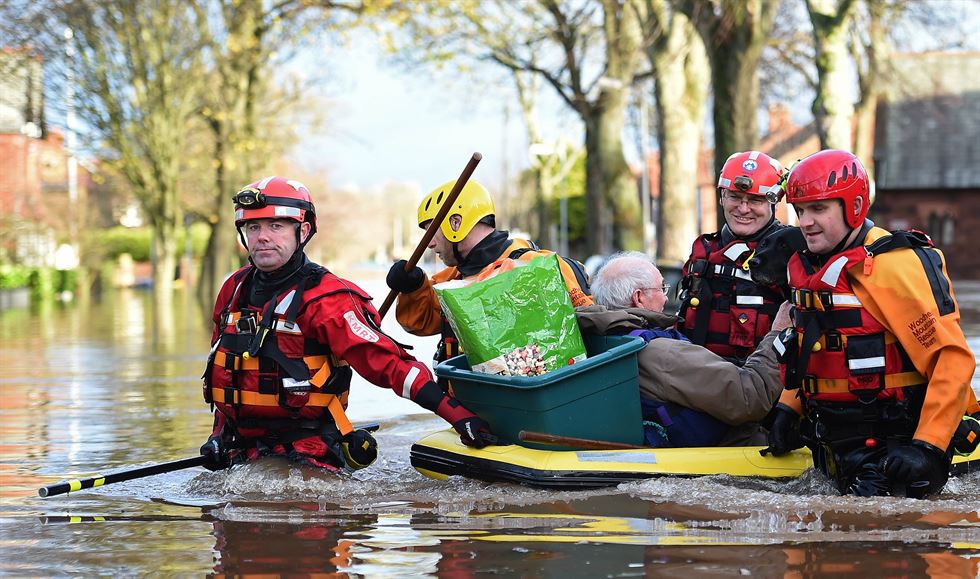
(633, 464)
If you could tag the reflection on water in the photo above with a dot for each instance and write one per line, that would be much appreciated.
(116, 384)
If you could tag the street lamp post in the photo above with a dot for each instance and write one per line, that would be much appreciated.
(70, 120)
(645, 201)
(558, 152)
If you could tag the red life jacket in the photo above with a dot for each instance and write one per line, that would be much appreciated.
(723, 309)
(843, 354)
(264, 374)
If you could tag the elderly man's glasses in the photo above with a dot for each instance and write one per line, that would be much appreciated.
(664, 288)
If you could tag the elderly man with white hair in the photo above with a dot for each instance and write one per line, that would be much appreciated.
(690, 395)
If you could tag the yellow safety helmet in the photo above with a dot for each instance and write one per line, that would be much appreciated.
(473, 204)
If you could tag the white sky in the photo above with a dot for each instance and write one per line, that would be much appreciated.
(383, 125)
(386, 124)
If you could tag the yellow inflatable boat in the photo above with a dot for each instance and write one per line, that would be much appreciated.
(441, 455)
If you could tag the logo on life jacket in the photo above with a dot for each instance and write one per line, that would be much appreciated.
(359, 329)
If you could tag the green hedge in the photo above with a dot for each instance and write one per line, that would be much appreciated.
(43, 281)
(135, 241)
(15, 276)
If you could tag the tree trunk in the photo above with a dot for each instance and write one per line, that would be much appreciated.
(164, 260)
(681, 73)
(619, 184)
(878, 52)
(596, 241)
(219, 253)
(832, 107)
(734, 38)
(624, 39)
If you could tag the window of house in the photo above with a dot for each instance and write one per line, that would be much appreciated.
(948, 229)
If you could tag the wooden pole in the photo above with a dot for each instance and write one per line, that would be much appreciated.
(584, 443)
(430, 231)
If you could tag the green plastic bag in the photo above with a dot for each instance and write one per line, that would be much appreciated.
(517, 323)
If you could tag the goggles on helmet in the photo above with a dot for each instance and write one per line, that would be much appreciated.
(249, 197)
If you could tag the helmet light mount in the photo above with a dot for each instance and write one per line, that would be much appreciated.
(250, 197)
(742, 183)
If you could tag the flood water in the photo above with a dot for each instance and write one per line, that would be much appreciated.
(113, 385)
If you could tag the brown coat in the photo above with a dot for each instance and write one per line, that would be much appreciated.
(683, 373)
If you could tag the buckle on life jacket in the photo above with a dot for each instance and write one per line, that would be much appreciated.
(809, 384)
(700, 268)
(803, 299)
(246, 325)
(826, 298)
(292, 386)
(232, 396)
(834, 341)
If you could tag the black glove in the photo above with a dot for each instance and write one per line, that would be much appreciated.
(404, 281)
(967, 435)
(918, 465)
(475, 432)
(784, 435)
(216, 454)
(360, 449)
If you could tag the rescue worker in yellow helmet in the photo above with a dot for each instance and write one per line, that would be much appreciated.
(287, 334)
(877, 364)
(468, 243)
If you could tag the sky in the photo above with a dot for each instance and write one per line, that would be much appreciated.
(385, 124)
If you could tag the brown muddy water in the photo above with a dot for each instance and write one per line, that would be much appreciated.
(88, 390)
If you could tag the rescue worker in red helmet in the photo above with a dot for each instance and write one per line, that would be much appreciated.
(469, 244)
(722, 308)
(287, 334)
(877, 364)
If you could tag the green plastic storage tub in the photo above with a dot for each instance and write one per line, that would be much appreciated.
(598, 398)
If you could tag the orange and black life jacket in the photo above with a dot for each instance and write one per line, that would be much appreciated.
(846, 364)
(264, 374)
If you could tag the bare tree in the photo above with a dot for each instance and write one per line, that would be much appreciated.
(871, 54)
(734, 34)
(832, 106)
(680, 71)
(139, 67)
(589, 52)
(551, 159)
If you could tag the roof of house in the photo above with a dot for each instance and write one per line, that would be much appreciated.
(928, 124)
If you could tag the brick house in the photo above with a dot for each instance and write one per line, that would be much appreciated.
(927, 154)
(34, 187)
(22, 129)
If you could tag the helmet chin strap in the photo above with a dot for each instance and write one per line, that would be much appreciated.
(842, 243)
(456, 254)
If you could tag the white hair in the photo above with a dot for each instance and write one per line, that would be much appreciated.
(620, 276)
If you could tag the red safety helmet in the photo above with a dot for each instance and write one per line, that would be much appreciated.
(754, 173)
(831, 174)
(275, 198)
